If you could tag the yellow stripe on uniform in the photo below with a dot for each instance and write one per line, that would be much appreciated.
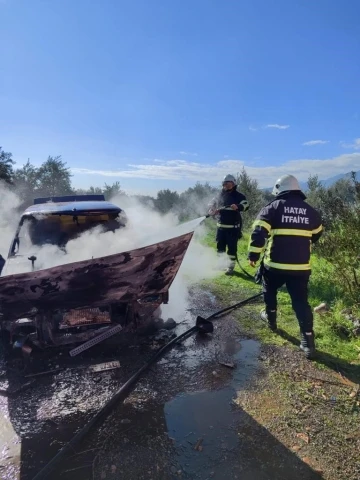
(317, 230)
(255, 249)
(269, 247)
(262, 223)
(292, 231)
(222, 225)
(287, 266)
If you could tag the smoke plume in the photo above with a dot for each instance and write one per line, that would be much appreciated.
(9, 217)
(145, 226)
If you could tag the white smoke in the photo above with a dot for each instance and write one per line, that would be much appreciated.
(145, 227)
(9, 203)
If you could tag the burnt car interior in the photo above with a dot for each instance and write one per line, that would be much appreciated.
(56, 221)
(59, 229)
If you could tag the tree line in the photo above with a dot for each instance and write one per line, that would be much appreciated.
(338, 204)
(53, 178)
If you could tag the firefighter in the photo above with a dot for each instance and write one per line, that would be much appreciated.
(228, 205)
(285, 230)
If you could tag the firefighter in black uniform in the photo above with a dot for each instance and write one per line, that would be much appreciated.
(286, 228)
(228, 206)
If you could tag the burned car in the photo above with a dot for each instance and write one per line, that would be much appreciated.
(56, 221)
(81, 302)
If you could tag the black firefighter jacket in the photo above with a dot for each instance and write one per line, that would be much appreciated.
(286, 228)
(229, 218)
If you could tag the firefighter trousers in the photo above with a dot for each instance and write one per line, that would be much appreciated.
(227, 240)
(297, 287)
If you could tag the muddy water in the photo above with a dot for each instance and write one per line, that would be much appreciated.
(204, 421)
(179, 422)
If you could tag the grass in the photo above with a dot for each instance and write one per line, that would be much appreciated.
(334, 337)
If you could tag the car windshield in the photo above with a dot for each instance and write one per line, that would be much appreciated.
(60, 229)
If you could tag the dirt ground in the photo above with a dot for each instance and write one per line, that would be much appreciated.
(215, 407)
(314, 413)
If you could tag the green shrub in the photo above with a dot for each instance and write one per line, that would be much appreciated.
(339, 206)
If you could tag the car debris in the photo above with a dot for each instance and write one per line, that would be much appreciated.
(85, 302)
(102, 367)
(170, 324)
(198, 446)
(228, 364)
(109, 332)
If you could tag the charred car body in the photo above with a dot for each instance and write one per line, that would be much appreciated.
(56, 221)
(87, 300)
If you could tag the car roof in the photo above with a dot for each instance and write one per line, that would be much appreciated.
(72, 208)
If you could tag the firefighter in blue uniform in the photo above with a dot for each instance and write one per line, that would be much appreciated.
(228, 206)
(285, 229)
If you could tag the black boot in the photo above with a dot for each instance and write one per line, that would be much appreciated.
(229, 271)
(270, 318)
(307, 344)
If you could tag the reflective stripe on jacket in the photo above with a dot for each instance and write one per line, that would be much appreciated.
(228, 216)
(285, 228)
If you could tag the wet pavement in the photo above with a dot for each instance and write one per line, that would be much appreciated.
(179, 422)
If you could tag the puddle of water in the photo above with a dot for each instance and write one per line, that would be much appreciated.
(10, 446)
(202, 423)
(204, 420)
(214, 439)
(246, 359)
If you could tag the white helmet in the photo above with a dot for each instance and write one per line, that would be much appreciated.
(285, 184)
(229, 178)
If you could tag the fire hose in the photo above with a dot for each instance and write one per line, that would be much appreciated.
(202, 326)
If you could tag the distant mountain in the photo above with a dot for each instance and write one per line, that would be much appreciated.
(330, 181)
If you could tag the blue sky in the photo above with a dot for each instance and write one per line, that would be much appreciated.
(164, 93)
